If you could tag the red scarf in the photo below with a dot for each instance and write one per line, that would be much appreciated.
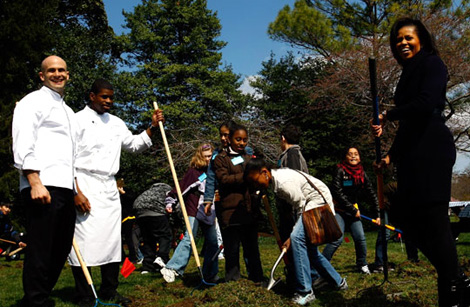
(356, 171)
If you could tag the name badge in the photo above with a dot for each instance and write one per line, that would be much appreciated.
(202, 177)
(237, 160)
(347, 183)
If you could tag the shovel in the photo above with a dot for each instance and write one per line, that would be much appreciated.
(181, 201)
(272, 282)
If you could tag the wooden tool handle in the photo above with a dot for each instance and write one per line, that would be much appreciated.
(15, 251)
(178, 191)
(82, 263)
(8, 241)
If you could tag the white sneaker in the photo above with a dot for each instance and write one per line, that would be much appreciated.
(159, 261)
(169, 275)
(144, 272)
(303, 299)
(364, 269)
(343, 286)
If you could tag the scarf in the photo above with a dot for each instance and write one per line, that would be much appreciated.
(356, 171)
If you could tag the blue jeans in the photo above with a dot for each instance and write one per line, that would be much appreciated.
(357, 232)
(181, 256)
(306, 255)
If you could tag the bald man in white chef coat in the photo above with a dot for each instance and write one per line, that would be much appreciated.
(43, 145)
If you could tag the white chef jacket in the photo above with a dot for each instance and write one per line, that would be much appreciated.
(100, 139)
(43, 138)
(292, 187)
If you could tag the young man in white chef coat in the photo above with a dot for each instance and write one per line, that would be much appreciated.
(100, 138)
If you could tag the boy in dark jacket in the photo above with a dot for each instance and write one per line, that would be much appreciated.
(291, 157)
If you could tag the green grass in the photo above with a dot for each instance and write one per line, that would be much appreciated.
(409, 284)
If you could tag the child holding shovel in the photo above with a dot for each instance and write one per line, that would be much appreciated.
(351, 184)
(192, 186)
(293, 187)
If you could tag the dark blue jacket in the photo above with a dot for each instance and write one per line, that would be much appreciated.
(423, 150)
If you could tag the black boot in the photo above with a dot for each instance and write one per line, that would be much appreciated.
(464, 290)
(450, 294)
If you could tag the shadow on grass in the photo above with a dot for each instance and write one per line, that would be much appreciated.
(65, 294)
(382, 295)
(193, 280)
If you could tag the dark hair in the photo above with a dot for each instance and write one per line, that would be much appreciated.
(227, 124)
(347, 151)
(100, 84)
(5, 204)
(291, 133)
(235, 127)
(255, 165)
(425, 37)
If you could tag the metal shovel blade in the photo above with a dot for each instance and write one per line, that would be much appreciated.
(272, 282)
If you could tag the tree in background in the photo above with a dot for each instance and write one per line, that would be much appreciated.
(460, 184)
(174, 58)
(87, 43)
(344, 34)
(284, 96)
(22, 50)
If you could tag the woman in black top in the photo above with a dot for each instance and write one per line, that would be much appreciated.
(423, 152)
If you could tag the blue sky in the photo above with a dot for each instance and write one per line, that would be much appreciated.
(244, 28)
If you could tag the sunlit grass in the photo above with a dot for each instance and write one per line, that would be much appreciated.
(409, 284)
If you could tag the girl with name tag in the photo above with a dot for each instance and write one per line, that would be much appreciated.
(351, 184)
(237, 211)
(192, 187)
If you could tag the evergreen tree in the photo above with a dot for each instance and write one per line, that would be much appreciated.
(174, 58)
